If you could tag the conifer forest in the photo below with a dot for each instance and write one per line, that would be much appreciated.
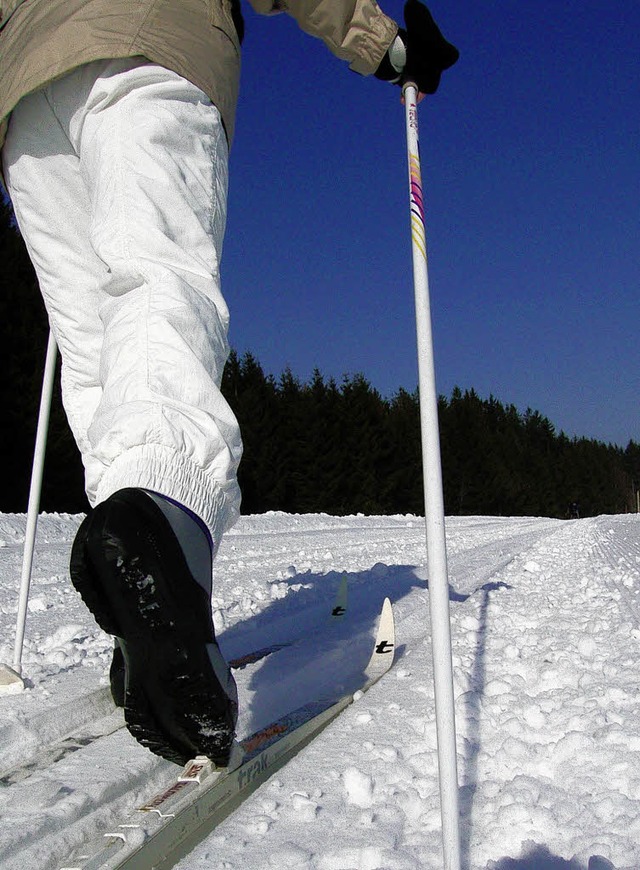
(322, 446)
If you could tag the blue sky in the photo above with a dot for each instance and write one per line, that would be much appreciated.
(531, 170)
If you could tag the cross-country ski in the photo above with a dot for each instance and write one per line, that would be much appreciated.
(201, 796)
(106, 720)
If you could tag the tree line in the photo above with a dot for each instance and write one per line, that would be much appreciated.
(340, 449)
(320, 446)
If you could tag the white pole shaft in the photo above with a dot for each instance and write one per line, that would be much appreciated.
(34, 497)
(434, 504)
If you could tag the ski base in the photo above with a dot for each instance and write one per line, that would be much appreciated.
(170, 825)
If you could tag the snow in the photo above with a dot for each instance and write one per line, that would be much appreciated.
(545, 618)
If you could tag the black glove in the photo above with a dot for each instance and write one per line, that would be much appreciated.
(420, 53)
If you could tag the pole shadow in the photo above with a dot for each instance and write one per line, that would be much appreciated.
(472, 703)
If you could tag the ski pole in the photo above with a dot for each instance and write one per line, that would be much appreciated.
(434, 503)
(35, 490)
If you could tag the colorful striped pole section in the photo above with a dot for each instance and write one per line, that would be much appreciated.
(434, 504)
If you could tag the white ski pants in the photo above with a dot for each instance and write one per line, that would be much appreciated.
(118, 177)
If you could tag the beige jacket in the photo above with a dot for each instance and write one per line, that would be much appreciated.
(41, 40)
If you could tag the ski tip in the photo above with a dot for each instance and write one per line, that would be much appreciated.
(385, 644)
(386, 616)
(386, 636)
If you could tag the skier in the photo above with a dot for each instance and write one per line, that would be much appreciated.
(115, 123)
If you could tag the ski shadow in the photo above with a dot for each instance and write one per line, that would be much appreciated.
(288, 615)
(540, 858)
(316, 666)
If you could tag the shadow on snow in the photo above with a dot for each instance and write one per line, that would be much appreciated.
(540, 858)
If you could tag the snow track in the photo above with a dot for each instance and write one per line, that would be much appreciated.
(545, 623)
(616, 544)
(47, 755)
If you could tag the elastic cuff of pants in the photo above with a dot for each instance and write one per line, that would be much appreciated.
(163, 470)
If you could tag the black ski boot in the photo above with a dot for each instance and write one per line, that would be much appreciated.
(180, 699)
